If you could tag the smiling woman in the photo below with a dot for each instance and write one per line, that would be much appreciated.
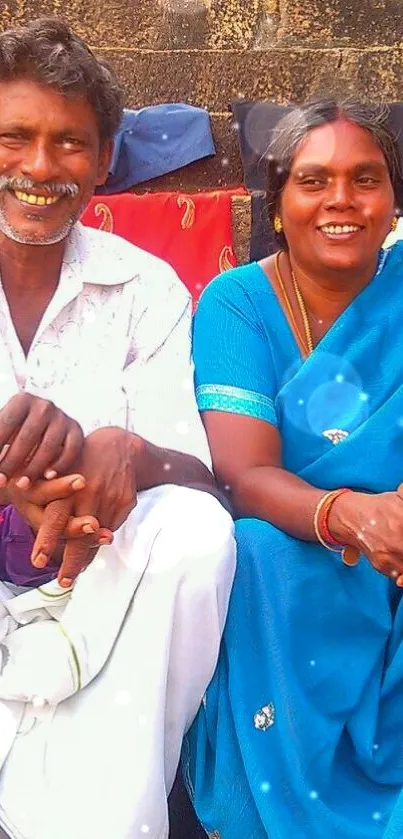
(333, 171)
(299, 374)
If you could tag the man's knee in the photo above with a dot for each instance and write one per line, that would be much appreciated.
(196, 536)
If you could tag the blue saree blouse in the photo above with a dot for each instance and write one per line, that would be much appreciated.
(301, 731)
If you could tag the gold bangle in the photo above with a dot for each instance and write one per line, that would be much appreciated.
(324, 500)
(350, 555)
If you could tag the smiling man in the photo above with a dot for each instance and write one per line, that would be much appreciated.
(101, 672)
(56, 135)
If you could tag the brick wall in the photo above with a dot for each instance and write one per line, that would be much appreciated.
(206, 52)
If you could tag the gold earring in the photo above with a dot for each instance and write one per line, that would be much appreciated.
(278, 224)
(394, 223)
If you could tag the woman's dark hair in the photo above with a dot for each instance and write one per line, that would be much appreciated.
(294, 127)
(48, 52)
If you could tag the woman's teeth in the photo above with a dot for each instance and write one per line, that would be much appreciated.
(39, 200)
(339, 228)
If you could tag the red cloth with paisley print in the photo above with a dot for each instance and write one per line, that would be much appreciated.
(191, 232)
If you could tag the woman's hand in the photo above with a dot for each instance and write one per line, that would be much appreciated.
(374, 525)
(109, 495)
(36, 439)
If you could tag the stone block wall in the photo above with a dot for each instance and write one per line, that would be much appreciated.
(207, 52)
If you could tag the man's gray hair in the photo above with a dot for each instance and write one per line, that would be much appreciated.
(48, 52)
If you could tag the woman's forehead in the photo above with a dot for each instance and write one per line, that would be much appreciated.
(339, 143)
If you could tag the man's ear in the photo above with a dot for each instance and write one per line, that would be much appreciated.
(104, 159)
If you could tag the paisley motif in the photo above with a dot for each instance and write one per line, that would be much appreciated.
(226, 259)
(107, 217)
(188, 218)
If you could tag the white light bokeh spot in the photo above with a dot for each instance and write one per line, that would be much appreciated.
(330, 395)
(335, 405)
(258, 127)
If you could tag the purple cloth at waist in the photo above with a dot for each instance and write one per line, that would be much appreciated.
(16, 542)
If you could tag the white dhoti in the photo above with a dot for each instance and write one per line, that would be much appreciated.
(132, 649)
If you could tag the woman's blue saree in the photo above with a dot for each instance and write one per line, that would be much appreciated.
(301, 732)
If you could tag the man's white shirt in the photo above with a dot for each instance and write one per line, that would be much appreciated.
(113, 346)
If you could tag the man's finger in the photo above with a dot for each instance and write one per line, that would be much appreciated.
(105, 536)
(77, 556)
(45, 452)
(12, 416)
(87, 503)
(69, 454)
(55, 518)
(46, 491)
(79, 526)
(21, 447)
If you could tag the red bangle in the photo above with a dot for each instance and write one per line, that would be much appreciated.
(323, 518)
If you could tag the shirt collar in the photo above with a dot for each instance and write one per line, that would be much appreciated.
(98, 258)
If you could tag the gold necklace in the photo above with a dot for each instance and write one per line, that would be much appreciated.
(304, 313)
(287, 303)
(307, 344)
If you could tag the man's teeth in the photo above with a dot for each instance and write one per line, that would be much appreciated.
(340, 228)
(40, 200)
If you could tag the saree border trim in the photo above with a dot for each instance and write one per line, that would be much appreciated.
(236, 400)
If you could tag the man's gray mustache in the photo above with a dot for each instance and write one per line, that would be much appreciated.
(25, 184)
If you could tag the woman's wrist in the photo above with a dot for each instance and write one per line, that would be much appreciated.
(342, 519)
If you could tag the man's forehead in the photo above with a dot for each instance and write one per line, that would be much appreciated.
(29, 103)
